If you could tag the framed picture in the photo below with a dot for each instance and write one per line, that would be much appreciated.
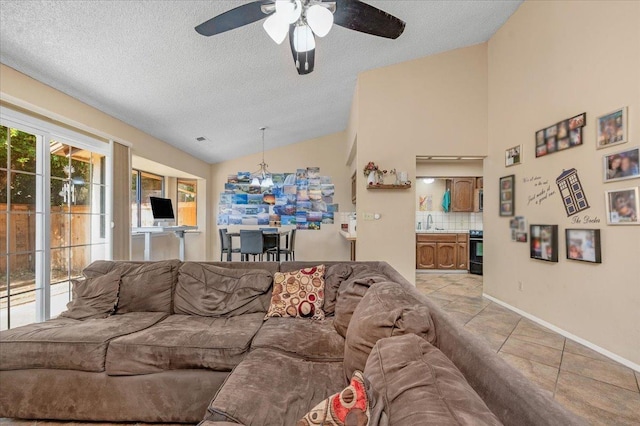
(507, 195)
(622, 206)
(513, 156)
(621, 165)
(562, 135)
(611, 128)
(583, 244)
(578, 121)
(544, 242)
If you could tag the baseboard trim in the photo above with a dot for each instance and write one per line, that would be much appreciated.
(602, 351)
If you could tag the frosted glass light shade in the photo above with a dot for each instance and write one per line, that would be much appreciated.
(255, 182)
(277, 27)
(289, 10)
(267, 182)
(320, 19)
(303, 40)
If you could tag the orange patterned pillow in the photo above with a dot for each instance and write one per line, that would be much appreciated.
(298, 294)
(351, 406)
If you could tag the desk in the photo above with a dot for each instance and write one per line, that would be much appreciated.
(148, 230)
(276, 234)
(352, 239)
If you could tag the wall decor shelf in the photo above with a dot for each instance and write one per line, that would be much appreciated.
(392, 186)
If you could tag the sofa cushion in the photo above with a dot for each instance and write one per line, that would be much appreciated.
(419, 385)
(348, 407)
(350, 293)
(65, 343)
(213, 291)
(272, 388)
(94, 297)
(184, 342)
(387, 309)
(333, 277)
(298, 294)
(147, 286)
(313, 340)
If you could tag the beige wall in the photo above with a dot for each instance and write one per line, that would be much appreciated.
(431, 106)
(327, 153)
(25, 92)
(551, 61)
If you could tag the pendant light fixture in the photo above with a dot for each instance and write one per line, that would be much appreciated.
(262, 177)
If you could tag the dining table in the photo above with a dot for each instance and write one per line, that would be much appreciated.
(266, 235)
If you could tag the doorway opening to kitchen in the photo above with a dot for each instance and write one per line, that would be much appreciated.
(448, 219)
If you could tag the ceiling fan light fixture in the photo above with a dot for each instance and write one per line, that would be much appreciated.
(277, 27)
(320, 19)
(289, 9)
(303, 40)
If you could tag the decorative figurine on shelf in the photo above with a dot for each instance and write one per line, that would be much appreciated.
(373, 173)
(395, 173)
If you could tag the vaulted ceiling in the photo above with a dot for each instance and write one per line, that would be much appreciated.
(143, 63)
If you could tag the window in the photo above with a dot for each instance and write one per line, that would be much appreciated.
(143, 186)
(187, 202)
(53, 197)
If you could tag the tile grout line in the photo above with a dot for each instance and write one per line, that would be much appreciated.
(510, 334)
(555, 388)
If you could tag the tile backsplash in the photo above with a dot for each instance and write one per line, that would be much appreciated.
(448, 221)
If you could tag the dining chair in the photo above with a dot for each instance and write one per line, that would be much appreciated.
(288, 251)
(251, 242)
(224, 243)
(271, 238)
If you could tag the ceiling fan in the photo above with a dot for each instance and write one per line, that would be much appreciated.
(303, 20)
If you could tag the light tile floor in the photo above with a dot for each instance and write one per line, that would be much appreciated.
(593, 386)
(600, 390)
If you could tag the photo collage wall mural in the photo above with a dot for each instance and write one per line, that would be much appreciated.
(303, 199)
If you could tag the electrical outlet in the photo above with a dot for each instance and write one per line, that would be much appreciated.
(367, 216)
(520, 286)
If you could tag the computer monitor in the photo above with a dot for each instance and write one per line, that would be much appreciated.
(162, 210)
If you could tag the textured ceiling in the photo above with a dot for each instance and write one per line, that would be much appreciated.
(143, 63)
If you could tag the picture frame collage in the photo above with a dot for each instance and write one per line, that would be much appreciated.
(303, 199)
(507, 195)
(563, 135)
(580, 244)
(622, 205)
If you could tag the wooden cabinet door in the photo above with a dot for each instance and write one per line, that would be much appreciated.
(463, 256)
(446, 256)
(462, 190)
(426, 256)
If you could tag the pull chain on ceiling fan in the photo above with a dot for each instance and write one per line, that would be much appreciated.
(303, 20)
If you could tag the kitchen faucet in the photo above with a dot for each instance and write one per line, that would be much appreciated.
(429, 221)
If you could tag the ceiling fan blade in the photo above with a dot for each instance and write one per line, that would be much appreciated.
(304, 61)
(359, 16)
(234, 18)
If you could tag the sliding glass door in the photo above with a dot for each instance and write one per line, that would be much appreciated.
(53, 217)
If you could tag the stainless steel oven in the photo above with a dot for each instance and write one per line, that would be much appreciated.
(475, 252)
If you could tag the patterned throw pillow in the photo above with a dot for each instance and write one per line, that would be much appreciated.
(351, 406)
(298, 294)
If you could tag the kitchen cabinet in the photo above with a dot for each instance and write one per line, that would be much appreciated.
(462, 255)
(426, 255)
(442, 251)
(462, 192)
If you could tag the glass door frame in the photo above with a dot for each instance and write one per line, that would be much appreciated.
(45, 132)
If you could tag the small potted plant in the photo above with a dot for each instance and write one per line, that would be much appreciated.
(373, 173)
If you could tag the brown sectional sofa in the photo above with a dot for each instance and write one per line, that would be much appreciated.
(188, 342)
